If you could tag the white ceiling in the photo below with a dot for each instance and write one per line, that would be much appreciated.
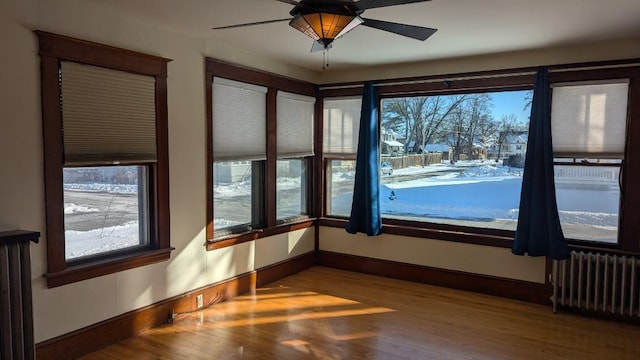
(465, 27)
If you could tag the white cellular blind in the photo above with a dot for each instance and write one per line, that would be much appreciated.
(295, 125)
(341, 126)
(589, 119)
(239, 121)
(108, 116)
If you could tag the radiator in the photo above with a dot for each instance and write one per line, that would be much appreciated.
(16, 313)
(597, 282)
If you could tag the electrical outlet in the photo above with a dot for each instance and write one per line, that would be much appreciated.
(199, 301)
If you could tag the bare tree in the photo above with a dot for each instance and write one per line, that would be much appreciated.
(421, 117)
(469, 123)
(506, 126)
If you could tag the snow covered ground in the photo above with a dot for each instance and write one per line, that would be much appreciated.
(483, 194)
(84, 243)
(471, 193)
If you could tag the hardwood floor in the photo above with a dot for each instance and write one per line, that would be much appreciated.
(324, 313)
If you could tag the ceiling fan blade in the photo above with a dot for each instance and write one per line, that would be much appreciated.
(412, 31)
(319, 46)
(290, 2)
(250, 24)
(370, 4)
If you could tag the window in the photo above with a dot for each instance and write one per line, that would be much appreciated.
(239, 153)
(105, 143)
(295, 147)
(260, 154)
(292, 192)
(443, 157)
(461, 158)
(341, 179)
(233, 196)
(105, 210)
(453, 149)
(341, 116)
(589, 122)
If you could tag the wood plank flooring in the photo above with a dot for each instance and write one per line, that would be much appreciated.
(324, 313)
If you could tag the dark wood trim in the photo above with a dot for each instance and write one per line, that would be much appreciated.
(630, 192)
(350, 91)
(272, 159)
(94, 337)
(285, 268)
(440, 78)
(258, 77)
(209, 156)
(459, 236)
(52, 147)
(159, 198)
(554, 69)
(56, 48)
(71, 49)
(594, 74)
(421, 231)
(508, 234)
(513, 83)
(490, 285)
(318, 174)
(259, 234)
(74, 273)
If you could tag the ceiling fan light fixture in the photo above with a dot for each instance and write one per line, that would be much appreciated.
(323, 26)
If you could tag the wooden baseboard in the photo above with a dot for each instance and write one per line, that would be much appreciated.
(508, 288)
(97, 336)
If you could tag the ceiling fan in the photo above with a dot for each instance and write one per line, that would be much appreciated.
(326, 20)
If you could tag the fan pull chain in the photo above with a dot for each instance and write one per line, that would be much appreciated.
(325, 58)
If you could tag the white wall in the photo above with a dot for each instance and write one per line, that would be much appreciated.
(449, 255)
(74, 306)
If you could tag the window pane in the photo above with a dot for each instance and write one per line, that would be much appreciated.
(455, 159)
(340, 187)
(588, 201)
(291, 195)
(232, 198)
(104, 209)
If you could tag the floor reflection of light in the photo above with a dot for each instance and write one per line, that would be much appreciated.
(284, 303)
(308, 315)
(347, 337)
(296, 342)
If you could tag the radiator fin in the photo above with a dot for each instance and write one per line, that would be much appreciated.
(597, 282)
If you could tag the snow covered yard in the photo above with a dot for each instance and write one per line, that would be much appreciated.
(484, 194)
(103, 217)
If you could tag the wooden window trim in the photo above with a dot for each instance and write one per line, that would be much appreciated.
(52, 50)
(506, 80)
(232, 240)
(218, 68)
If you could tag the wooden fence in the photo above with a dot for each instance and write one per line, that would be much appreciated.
(405, 161)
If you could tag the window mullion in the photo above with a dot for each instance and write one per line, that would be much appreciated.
(272, 158)
(629, 226)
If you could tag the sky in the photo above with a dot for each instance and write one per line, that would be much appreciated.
(510, 102)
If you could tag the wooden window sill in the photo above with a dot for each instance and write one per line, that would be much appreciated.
(75, 273)
(231, 240)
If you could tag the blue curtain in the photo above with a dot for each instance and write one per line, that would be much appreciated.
(365, 207)
(539, 232)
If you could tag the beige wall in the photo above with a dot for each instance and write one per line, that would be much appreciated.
(470, 258)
